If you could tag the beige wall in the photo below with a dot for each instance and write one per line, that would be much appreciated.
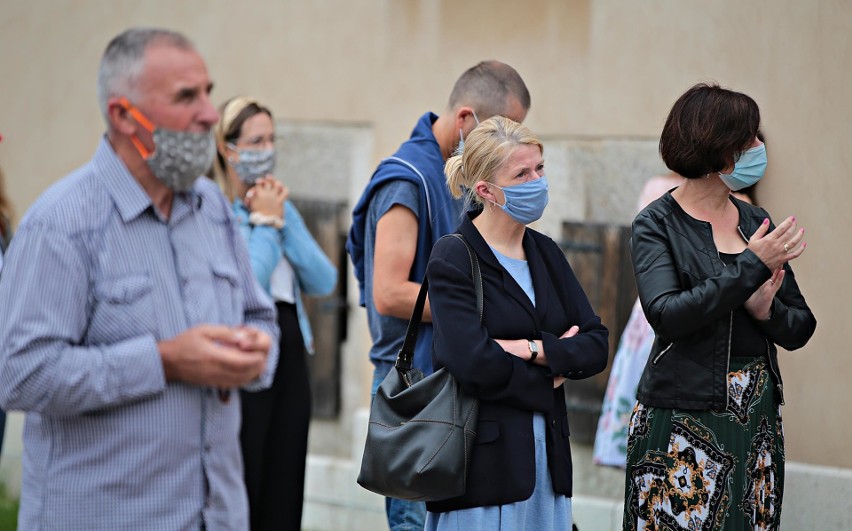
(596, 68)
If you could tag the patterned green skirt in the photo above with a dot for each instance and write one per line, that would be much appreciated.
(709, 470)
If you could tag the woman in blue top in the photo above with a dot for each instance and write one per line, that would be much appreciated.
(287, 262)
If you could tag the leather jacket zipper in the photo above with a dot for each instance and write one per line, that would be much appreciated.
(774, 373)
(730, 322)
(728, 368)
(660, 355)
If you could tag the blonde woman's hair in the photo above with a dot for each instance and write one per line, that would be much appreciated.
(485, 150)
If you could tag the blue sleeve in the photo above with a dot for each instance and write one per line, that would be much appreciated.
(397, 192)
(264, 247)
(44, 365)
(259, 311)
(315, 272)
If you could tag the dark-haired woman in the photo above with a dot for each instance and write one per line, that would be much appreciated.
(5, 237)
(706, 443)
(287, 262)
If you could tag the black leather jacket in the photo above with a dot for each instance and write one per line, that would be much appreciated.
(689, 295)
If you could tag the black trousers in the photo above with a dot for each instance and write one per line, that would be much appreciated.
(274, 434)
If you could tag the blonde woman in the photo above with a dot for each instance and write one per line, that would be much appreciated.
(537, 330)
(287, 262)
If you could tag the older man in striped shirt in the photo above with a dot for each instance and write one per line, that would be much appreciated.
(128, 311)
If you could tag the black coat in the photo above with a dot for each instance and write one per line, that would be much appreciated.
(510, 390)
(688, 295)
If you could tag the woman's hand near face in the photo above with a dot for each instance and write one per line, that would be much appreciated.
(779, 246)
(267, 197)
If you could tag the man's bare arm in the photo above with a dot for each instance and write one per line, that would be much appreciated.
(396, 246)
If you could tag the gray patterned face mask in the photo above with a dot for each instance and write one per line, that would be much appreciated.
(253, 163)
(179, 157)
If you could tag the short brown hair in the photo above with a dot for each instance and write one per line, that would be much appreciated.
(707, 130)
(124, 58)
(488, 87)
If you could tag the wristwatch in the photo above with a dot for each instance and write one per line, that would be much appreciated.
(533, 349)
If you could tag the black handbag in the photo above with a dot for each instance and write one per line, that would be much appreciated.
(421, 430)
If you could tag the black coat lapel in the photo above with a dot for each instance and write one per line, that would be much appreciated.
(510, 286)
(540, 277)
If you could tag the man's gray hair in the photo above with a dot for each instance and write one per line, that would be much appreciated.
(488, 87)
(123, 59)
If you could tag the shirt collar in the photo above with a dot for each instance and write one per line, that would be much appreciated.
(130, 198)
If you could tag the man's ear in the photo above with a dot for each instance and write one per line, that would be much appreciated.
(119, 117)
(462, 114)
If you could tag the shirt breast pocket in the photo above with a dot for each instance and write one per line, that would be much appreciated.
(123, 309)
(229, 294)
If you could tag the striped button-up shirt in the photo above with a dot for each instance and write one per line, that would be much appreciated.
(93, 279)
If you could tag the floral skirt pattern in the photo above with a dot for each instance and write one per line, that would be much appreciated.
(620, 398)
(709, 470)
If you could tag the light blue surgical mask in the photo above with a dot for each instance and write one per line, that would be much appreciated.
(460, 149)
(747, 170)
(525, 202)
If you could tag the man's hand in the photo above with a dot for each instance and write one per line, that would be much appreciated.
(215, 356)
(250, 339)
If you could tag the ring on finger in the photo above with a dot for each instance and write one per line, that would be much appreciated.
(786, 248)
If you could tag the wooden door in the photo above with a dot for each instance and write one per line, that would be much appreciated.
(600, 257)
(327, 222)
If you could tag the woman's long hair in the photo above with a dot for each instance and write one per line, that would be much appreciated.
(5, 209)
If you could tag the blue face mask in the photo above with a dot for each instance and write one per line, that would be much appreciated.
(748, 169)
(525, 202)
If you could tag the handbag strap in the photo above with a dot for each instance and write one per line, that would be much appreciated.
(406, 353)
